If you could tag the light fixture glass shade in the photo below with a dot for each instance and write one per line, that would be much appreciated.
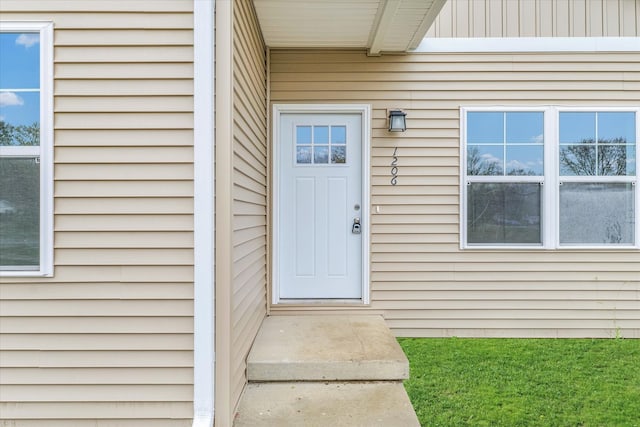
(397, 121)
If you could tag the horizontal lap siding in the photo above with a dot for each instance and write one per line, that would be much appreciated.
(538, 18)
(248, 296)
(110, 336)
(420, 280)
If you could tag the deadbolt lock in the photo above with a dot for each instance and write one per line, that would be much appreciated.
(356, 229)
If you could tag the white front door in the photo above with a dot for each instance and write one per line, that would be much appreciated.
(320, 221)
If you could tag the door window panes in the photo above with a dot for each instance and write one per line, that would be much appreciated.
(321, 135)
(303, 155)
(321, 154)
(338, 154)
(303, 135)
(339, 134)
(321, 145)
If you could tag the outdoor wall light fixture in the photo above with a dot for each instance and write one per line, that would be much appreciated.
(397, 121)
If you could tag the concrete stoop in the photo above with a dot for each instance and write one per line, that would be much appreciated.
(320, 370)
(329, 404)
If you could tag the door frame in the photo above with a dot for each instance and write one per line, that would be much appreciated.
(364, 110)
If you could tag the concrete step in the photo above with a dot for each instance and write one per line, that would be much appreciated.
(322, 404)
(326, 348)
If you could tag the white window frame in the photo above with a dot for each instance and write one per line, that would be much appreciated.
(45, 151)
(550, 200)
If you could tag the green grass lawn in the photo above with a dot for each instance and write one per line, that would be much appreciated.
(524, 382)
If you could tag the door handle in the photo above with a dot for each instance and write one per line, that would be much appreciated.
(356, 228)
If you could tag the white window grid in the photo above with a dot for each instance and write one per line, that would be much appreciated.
(313, 144)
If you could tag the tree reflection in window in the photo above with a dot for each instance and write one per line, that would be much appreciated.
(598, 210)
(597, 144)
(604, 158)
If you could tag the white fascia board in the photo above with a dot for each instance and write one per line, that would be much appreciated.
(203, 213)
(529, 44)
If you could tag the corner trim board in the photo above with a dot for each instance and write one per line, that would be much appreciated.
(203, 213)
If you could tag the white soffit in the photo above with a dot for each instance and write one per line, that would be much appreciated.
(377, 25)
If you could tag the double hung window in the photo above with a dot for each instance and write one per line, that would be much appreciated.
(25, 148)
(549, 177)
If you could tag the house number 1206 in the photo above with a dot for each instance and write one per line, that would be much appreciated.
(394, 167)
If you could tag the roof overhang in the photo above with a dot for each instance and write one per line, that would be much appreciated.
(377, 25)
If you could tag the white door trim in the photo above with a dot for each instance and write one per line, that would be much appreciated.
(364, 111)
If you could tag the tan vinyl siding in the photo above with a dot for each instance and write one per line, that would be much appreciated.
(109, 338)
(249, 193)
(421, 281)
(538, 18)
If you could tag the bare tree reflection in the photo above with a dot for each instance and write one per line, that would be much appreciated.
(607, 158)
